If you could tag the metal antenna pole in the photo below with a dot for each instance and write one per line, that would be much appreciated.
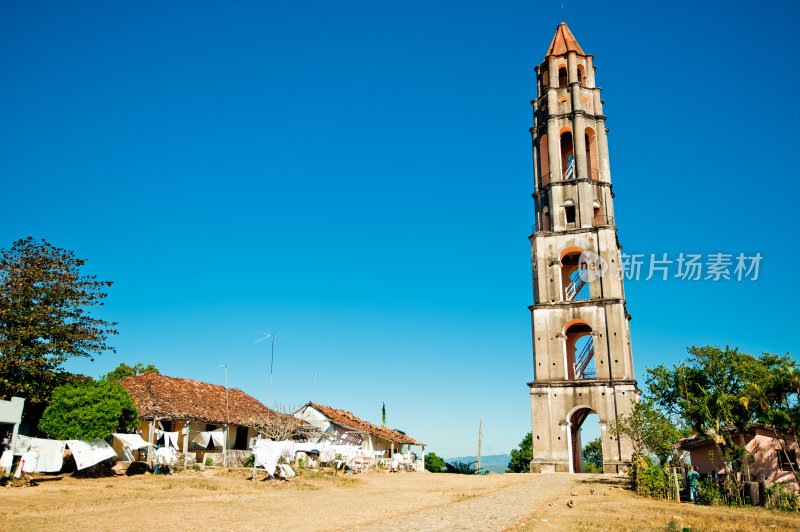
(271, 364)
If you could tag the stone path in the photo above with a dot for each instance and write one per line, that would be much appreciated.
(493, 511)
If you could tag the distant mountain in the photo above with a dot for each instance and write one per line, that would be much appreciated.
(493, 462)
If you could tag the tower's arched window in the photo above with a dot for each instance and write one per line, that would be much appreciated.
(579, 344)
(563, 79)
(591, 153)
(569, 211)
(545, 218)
(545, 79)
(567, 156)
(544, 161)
(580, 74)
(574, 278)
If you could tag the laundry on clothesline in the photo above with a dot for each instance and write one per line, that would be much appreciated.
(89, 453)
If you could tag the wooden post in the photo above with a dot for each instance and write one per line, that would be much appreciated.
(480, 433)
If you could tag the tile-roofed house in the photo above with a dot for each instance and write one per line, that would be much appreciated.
(162, 397)
(342, 426)
(193, 409)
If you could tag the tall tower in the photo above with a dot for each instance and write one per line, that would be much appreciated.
(581, 337)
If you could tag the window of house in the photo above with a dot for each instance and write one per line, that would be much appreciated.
(563, 80)
(787, 460)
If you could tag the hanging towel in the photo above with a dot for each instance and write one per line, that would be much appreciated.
(219, 437)
(6, 460)
(171, 439)
(89, 453)
(27, 463)
(22, 444)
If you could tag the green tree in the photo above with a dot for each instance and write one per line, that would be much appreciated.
(124, 370)
(44, 318)
(649, 430)
(718, 392)
(461, 468)
(522, 456)
(433, 463)
(592, 455)
(88, 410)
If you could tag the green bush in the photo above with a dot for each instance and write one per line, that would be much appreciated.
(708, 492)
(88, 410)
(250, 461)
(209, 461)
(433, 463)
(648, 479)
(783, 498)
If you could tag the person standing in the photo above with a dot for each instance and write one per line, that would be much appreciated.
(693, 479)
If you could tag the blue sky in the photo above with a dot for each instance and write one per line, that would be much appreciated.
(356, 177)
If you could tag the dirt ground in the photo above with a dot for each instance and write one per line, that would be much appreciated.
(614, 507)
(227, 500)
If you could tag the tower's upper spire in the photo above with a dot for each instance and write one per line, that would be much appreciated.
(564, 42)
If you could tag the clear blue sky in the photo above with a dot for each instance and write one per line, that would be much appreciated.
(356, 177)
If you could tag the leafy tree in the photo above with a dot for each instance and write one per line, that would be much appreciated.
(45, 319)
(718, 392)
(649, 430)
(433, 463)
(88, 410)
(592, 455)
(124, 370)
(461, 468)
(522, 456)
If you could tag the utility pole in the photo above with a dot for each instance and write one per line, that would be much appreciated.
(480, 433)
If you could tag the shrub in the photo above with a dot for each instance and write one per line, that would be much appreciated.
(209, 461)
(782, 498)
(250, 461)
(648, 479)
(433, 463)
(708, 492)
(88, 410)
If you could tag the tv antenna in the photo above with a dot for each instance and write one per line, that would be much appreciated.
(271, 338)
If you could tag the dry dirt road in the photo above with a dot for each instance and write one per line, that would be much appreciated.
(216, 500)
(227, 500)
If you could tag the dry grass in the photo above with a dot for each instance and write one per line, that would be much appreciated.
(218, 499)
(613, 507)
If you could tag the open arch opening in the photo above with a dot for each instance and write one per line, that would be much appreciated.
(584, 426)
(591, 154)
(579, 350)
(580, 74)
(573, 276)
(544, 161)
(563, 78)
(567, 156)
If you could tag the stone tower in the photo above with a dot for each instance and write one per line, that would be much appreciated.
(581, 337)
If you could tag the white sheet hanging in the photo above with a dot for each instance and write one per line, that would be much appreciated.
(216, 436)
(89, 453)
(51, 454)
(132, 441)
(6, 461)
